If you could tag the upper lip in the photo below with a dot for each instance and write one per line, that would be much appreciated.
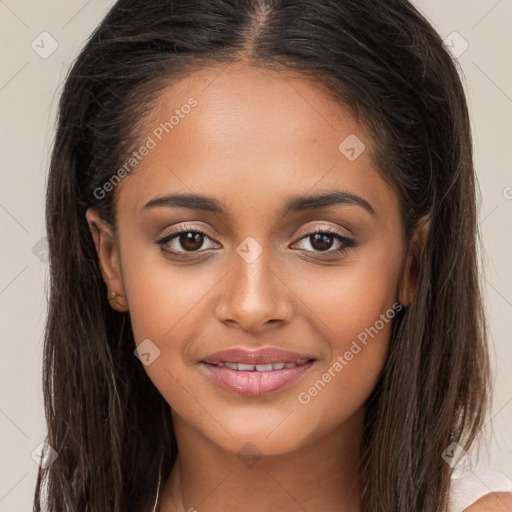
(264, 355)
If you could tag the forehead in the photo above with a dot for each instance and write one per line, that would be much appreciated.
(254, 109)
(237, 131)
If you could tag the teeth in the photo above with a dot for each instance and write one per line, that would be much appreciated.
(257, 367)
(264, 367)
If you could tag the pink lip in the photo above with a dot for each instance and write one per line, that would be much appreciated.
(254, 382)
(261, 356)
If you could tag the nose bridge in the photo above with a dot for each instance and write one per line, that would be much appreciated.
(255, 295)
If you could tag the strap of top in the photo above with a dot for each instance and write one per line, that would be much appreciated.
(473, 486)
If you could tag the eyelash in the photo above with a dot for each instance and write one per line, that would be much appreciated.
(346, 242)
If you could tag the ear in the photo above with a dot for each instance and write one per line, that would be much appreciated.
(409, 282)
(108, 257)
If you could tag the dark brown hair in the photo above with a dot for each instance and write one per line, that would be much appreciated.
(382, 60)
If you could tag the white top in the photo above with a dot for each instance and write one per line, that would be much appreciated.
(474, 485)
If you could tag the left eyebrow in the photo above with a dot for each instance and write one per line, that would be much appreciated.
(324, 200)
(294, 204)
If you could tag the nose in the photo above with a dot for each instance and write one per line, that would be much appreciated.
(255, 297)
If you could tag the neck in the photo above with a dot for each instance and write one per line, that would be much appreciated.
(321, 476)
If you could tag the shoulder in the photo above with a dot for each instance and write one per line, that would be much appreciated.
(482, 490)
(492, 502)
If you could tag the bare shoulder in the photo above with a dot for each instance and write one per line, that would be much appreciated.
(493, 502)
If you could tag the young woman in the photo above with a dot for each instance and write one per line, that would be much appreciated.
(263, 254)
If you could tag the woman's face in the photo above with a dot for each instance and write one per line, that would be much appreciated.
(262, 161)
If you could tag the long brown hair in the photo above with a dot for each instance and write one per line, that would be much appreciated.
(382, 60)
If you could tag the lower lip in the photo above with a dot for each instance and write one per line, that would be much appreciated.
(253, 382)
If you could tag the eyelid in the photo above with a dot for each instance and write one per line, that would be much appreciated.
(324, 228)
(345, 240)
(184, 228)
(181, 228)
(174, 233)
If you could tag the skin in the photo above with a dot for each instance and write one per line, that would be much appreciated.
(493, 502)
(256, 138)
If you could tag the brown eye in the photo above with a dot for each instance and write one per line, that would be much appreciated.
(191, 241)
(325, 240)
(321, 241)
(186, 240)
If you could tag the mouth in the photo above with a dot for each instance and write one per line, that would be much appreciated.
(256, 372)
(258, 367)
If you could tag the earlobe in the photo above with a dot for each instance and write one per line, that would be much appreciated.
(410, 274)
(108, 259)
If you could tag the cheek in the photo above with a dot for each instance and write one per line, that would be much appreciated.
(163, 297)
(167, 304)
(355, 315)
(356, 303)
(351, 298)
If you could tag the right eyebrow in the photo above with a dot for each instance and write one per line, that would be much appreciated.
(192, 201)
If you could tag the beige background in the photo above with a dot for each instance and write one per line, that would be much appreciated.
(29, 87)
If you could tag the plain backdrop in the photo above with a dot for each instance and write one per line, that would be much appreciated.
(38, 42)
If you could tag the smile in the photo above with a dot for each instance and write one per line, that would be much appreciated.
(257, 367)
(255, 372)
